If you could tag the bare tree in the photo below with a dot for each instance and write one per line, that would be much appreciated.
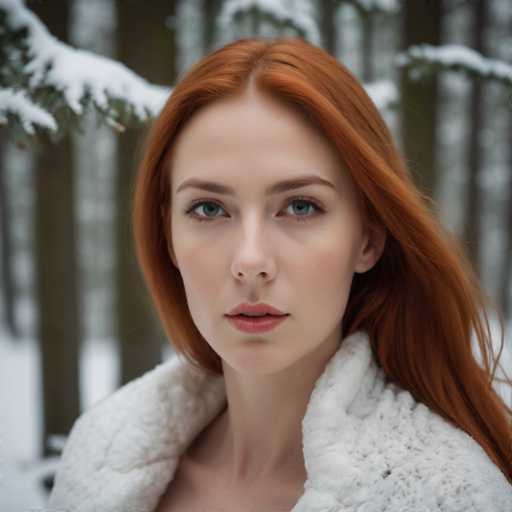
(505, 273)
(367, 21)
(327, 20)
(472, 224)
(145, 43)
(504, 290)
(421, 23)
(8, 283)
(211, 10)
(59, 327)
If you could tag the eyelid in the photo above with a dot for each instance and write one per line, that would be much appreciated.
(319, 207)
(287, 200)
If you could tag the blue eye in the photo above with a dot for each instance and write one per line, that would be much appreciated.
(305, 202)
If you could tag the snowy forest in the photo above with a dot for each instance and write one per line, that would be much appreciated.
(81, 82)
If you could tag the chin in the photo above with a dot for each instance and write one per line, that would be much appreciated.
(259, 357)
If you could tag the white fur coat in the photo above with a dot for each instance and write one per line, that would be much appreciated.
(368, 445)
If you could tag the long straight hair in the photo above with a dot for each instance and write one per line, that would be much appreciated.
(420, 304)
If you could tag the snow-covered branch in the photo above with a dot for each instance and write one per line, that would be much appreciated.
(300, 14)
(386, 6)
(47, 76)
(425, 59)
(18, 105)
(383, 93)
(55, 75)
(297, 14)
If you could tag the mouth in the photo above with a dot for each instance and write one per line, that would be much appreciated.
(256, 324)
(266, 315)
(253, 317)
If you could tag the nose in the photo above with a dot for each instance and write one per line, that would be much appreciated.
(253, 255)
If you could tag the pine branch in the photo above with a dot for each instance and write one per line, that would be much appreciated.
(423, 60)
(298, 15)
(47, 85)
(45, 79)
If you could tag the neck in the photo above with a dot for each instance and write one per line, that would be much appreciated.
(259, 435)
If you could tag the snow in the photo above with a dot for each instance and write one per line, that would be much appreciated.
(453, 55)
(20, 490)
(300, 13)
(29, 114)
(383, 93)
(79, 74)
(389, 6)
(20, 426)
(83, 76)
(21, 469)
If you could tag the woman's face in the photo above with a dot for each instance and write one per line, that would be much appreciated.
(258, 246)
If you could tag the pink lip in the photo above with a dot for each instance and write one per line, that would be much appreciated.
(255, 309)
(253, 325)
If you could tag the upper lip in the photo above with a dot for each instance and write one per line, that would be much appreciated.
(255, 309)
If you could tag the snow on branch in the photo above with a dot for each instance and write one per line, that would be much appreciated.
(56, 75)
(41, 76)
(424, 59)
(21, 107)
(387, 6)
(297, 14)
(301, 15)
(383, 93)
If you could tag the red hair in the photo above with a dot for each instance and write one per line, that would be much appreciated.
(420, 304)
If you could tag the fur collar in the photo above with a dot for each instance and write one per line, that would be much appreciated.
(368, 445)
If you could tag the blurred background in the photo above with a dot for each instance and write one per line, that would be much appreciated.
(81, 81)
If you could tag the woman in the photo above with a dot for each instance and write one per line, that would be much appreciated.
(270, 179)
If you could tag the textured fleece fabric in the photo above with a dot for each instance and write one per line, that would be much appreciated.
(368, 445)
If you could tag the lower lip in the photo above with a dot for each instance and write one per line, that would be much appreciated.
(255, 324)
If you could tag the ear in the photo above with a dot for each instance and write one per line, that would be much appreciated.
(372, 248)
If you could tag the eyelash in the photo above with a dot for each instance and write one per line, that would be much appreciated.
(300, 218)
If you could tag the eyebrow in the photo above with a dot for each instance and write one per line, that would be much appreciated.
(276, 188)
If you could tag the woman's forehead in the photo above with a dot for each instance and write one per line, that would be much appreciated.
(229, 137)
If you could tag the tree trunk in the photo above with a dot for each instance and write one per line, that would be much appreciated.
(211, 9)
(327, 15)
(56, 266)
(8, 282)
(421, 24)
(367, 21)
(146, 44)
(504, 295)
(472, 226)
(255, 17)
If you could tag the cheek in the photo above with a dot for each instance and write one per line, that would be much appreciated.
(196, 255)
(201, 290)
(197, 271)
(329, 258)
(324, 276)
(330, 269)
(197, 262)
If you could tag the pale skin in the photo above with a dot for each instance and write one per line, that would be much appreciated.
(255, 249)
